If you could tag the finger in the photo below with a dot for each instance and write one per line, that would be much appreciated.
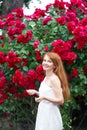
(37, 99)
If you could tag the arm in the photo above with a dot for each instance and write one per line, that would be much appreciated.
(56, 85)
(32, 92)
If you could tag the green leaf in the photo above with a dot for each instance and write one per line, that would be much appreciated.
(25, 68)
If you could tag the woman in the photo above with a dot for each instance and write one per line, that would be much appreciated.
(52, 92)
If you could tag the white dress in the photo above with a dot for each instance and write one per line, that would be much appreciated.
(48, 114)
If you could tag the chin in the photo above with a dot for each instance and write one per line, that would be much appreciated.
(44, 69)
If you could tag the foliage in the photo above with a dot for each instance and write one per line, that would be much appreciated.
(5, 129)
(61, 28)
(0, 6)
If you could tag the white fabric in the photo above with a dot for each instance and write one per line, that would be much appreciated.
(48, 114)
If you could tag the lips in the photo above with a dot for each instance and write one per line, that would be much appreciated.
(46, 66)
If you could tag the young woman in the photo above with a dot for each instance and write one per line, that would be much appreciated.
(52, 92)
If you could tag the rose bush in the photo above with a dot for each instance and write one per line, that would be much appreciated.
(61, 28)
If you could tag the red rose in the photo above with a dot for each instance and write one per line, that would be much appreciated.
(21, 38)
(40, 73)
(37, 14)
(76, 3)
(11, 89)
(85, 69)
(70, 16)
(24, 38)
(32, 85)
(61, 20)
(48, 6)
(25, 93)
(3, 97)
(31, 74)
(38, 56)
(18, 78)
(71, 26)
(7, 113)
(46, 48)
(2, 24)
(19, 24)
(80, 45)
(12, 59)
(1, 73)
(2, 82)
(2, 58)
(18, 12)
(40, 78)
(46, 20)
(11, 125)
(59, 4)
(19, 95)
(74, 72)
(71, 56)
(36, 43)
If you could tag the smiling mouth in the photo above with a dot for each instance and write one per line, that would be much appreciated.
(45, 66)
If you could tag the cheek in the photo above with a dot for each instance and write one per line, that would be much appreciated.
(53, 66)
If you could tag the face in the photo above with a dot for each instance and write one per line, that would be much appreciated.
(47, 64)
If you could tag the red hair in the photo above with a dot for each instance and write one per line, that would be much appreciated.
(60, 72)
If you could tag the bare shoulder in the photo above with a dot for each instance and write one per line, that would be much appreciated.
(54, 78)
(55, 81)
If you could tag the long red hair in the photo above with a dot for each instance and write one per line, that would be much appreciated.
(60, 72)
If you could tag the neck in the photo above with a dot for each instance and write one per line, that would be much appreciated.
(49, 73)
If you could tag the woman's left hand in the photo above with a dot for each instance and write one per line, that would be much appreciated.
(39, 99)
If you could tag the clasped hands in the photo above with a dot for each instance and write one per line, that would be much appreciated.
(32, 92)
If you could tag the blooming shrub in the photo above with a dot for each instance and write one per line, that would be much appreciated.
(61, 28)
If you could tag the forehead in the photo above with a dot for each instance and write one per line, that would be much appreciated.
(46, 57)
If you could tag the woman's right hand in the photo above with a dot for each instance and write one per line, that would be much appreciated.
(31, 92)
